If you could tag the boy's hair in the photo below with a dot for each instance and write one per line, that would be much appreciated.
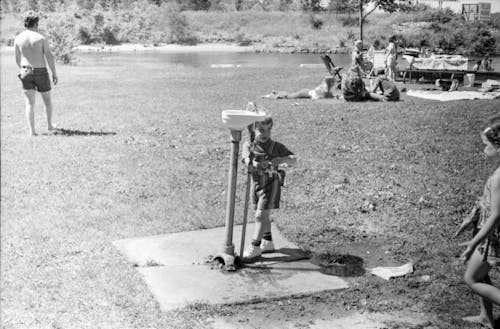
(267, 120)
(30, 19)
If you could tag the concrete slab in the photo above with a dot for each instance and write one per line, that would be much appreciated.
(175, 269)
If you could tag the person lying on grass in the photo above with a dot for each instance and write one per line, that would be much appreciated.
(262, 157)
(327, 89)
(483, 251)
(388, 89)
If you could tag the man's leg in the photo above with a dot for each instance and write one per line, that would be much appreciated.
(47, 101)
(29, 99)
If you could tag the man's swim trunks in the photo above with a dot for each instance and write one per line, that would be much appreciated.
(35, 78)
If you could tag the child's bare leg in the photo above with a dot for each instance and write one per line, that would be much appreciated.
(476, 277)
(303, 93)
(48, 109)
(29, 99)
(261, 223)
(485, 317)
(266, 224)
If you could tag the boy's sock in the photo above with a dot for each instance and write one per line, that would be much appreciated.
(267, 236)
(256, 243)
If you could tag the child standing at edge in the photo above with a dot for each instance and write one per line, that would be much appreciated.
(266, 183)
(483, 251)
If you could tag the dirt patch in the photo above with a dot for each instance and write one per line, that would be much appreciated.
(324, 319)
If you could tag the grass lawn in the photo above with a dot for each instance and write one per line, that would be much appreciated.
(147, 154)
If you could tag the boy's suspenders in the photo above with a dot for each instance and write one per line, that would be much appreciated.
(272, 149)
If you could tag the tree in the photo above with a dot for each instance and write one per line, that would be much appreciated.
(385, 5)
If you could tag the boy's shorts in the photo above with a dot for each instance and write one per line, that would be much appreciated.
(266, 194)
(35, 78)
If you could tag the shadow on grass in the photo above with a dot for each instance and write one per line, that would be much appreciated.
(330, 264)
(76, 132)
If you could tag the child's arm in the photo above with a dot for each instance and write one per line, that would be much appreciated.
(491, 223)
(245, 153)
(289, 160)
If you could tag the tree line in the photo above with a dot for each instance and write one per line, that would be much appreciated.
(338, 6)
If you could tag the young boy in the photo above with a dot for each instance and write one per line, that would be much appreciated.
(263, 156)
(390, 92)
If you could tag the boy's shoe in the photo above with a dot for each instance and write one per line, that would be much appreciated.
(252, 252)
(267, 246)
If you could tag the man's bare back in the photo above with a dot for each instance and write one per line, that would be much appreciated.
(31, 47)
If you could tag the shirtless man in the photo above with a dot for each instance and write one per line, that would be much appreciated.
(32, 49)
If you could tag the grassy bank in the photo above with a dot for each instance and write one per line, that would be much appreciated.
(145, 153)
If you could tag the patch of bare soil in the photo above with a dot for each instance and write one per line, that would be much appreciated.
(369, 302)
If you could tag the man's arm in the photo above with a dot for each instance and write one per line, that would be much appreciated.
(50, 60)
(18, 54)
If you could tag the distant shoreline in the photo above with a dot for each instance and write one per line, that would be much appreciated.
(222, 47)
(161, 48)
(202, 47)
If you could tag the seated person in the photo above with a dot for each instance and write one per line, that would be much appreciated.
(325, 90)
(388, 89)
(353, 87)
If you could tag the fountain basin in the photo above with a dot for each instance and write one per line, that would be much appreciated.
(239, 120)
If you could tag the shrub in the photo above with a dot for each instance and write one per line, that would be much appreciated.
(59, 31)
(316, 23)
(84, 35)
(349, 21)
(351, 35)
(109, 33)
(179, 29)
(243, 40)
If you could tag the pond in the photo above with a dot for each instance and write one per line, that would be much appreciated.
(211, 59)
(224, 59)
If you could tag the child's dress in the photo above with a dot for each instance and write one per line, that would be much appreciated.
(489, 247)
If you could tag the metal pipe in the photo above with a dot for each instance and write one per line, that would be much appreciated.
(233, 171)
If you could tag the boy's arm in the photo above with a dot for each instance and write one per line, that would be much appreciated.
(245, 153)
(289, 160)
